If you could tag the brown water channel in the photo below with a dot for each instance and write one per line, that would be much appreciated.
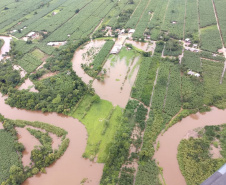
(169, 141)
(6, 47)
(71, 168)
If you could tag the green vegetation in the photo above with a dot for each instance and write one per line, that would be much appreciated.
(29, 62)
(195, 160)
(172, 48)
(41, 157)
(8, 153)
(209, 55)
(210, 39)
(145, 80)
(58, 93)
(102, 120)
(191, 61)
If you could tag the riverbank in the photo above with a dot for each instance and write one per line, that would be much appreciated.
(166, 156)
(71, 168)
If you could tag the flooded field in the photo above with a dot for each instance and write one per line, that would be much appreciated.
(29, 142)
(84, 55)
(145, 46)
(119, 78)
(169, 141)
(6, 47)
(71, 168)
(28, 84)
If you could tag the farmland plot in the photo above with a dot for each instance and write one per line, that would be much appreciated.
(210, 39)
(191, 20)
(17, 10)
(192, 61)
(206, 12)
(73, 25)
(174, 20)
(173, 97)
(137, 14)
(158, 18)
(143, 22)
(29, 62)
(160, 88)
(8, 155)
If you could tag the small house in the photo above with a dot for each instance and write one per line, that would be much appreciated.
(116, 49)
(187, 40)
(131, 30)
(122, 31)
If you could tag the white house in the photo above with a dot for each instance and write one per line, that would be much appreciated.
(131, 30)
(116, 49)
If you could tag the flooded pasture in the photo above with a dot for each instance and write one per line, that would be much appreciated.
(71, 168)
(169, 141)
(145, 46)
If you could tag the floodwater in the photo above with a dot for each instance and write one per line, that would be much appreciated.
(6, 47)
(71, 168)
(29, 142)
(116, 87)
(169, 141)
(118, 81)
(145, 46)
(81, 57)
(28, 84)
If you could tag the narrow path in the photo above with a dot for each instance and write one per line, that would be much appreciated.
(223, 47)
(167, 86)
(155, 82)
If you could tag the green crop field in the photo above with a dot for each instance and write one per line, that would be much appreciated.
(8, 155)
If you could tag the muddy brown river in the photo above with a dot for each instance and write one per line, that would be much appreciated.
(71, 168)
(169, 141)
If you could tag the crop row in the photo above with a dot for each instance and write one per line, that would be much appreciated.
(142, 24)
(137, 14)
(159, 9)
(191, 20)
(173, 97)
(92, 22)
(74, 24)
(161, 86)
(137, 89)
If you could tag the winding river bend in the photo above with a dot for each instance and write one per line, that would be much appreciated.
(169, 141)
(71, 168)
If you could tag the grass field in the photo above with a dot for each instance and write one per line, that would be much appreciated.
(100, 133)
